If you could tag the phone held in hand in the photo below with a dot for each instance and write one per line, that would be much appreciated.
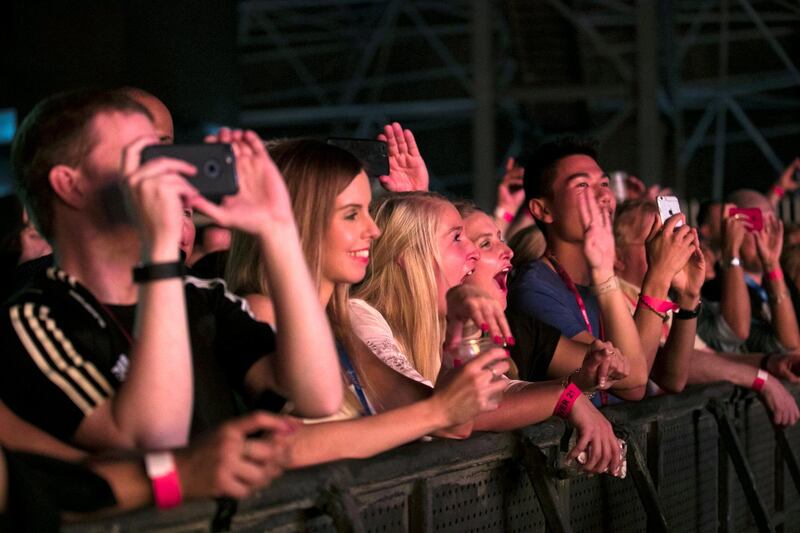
(667, 207)
(216, 166)
(372, 154)
(752, 216)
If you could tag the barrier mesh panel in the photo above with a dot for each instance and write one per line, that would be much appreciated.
(688, 487)
(756, 434)
(387, 511)
(790, 491)
(495, 497)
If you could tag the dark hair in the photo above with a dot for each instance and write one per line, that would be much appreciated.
(704, 211)
(57, 132)
(540, 166)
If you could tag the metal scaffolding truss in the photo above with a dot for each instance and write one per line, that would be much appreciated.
(667, 82)
(349, 66)
(692, 73)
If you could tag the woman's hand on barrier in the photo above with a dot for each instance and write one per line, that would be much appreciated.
(407, 170)
(785, 366)
(602, 367)
(465, 392)
(466, 303)
(780, 402)
(596, 438)
(231, 461)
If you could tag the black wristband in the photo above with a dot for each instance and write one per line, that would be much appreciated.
(765, 360)
(688, 314)
(157, 271)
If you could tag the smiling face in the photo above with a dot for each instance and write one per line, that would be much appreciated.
(576, 175)
(457, 254)
(491, 270)
(349, 234)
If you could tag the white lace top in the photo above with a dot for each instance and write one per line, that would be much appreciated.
(370, 326)
(373, 330)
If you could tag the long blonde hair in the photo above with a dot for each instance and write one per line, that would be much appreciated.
(315, 174)
(401, 280)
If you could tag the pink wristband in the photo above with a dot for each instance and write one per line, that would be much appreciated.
(778, 190)
(760, 381)
(160, 467)
(661, 306)
(505, 215)
(775, 275)
(567, 400)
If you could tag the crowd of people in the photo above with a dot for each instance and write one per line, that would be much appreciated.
(305, 321)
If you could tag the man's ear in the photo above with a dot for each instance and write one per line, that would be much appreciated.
(68, 185)
(539, 210)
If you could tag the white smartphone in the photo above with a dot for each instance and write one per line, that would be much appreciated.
(668, 206)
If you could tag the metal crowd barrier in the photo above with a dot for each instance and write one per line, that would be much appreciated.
(705, 460)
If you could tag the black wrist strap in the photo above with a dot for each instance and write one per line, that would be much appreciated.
(157, 271)
(688, 314)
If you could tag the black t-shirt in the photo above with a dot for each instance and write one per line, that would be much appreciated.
(535, 345)
(64, 353)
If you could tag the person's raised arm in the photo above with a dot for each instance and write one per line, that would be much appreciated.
(305, 368)
(407, 170)
(599, 250)
(734, 300)
(769, 242)
(153, 407)
(670, 369)
(510, 197)
(786, 183)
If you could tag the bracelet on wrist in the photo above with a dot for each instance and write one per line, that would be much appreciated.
(760, 380)
(611, 284)
(778, 190)
(775, 274)
(568, 380)
(160, 468)
(567, 399)
(158, 271)
(730, 263)
(688, 314)
(657, 306)
(505, 215)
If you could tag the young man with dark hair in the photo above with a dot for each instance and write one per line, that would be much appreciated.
(568, 194)
(98, 351)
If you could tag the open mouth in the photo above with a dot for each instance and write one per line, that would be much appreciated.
(468, 274)
(501, 278)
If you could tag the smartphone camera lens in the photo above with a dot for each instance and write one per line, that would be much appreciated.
(211, 168)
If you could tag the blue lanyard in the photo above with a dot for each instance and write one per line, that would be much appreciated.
(347, 366)
(753, 284)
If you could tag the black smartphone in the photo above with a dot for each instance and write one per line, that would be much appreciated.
(216, 166)
(372, 154)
